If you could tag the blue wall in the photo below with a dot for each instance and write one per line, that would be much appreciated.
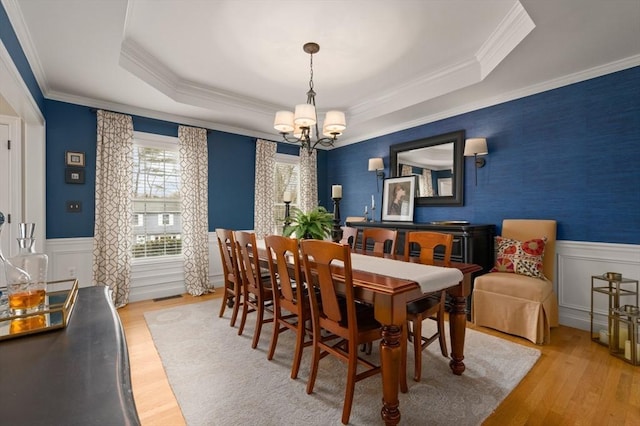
(570, 154)
(231, 170)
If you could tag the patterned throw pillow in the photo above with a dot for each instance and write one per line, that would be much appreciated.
(520, 257)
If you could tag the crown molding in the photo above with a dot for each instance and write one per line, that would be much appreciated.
(510, 32)
(26, 42)
(588, 74)
(149, 113)
(138, 61)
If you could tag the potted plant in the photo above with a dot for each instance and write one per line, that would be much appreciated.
(316, 224)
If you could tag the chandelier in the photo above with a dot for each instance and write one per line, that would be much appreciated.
(304, 122)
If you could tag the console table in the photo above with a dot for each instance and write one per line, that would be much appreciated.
(471, 243)
(78, 375)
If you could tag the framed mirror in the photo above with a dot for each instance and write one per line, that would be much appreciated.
(438, 164)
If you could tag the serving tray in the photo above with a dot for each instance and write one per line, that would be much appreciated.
(56, 314)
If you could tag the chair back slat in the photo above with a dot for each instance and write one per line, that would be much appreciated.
(381, 238)
(428, 242)
(227, 246)
(349, 236)
(248, 261)
(318, 257)
(285, 261)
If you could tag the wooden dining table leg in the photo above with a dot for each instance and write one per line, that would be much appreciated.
(390, 353)
(457, 328)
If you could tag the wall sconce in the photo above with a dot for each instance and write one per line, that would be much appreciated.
(474, 147)
(376, 165)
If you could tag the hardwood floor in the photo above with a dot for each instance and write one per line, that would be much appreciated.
(575, 381)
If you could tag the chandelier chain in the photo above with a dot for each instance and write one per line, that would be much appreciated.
(311, 71)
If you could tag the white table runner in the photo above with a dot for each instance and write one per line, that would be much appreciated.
(430, 278)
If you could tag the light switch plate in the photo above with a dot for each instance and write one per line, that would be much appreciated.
(74, 206)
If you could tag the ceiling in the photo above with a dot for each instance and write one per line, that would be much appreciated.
(230, 65)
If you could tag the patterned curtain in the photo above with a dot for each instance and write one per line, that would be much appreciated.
(263, 218)
(426, 179)
(308, 180)
(194, 208)
(112, 239)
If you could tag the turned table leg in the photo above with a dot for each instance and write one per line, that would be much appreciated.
(390, 353)
(457, 328)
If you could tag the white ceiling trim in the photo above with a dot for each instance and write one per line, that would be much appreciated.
(16, 92)
(566, 80)
(599, 71)
(148, 113)
(20, 27)
(509, 33)
(154, 72)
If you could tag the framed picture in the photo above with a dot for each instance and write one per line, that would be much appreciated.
(73, 175)
(398, 197)
(75, 159)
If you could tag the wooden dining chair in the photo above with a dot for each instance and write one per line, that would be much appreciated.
(255, 289)
(432, 306)
(383, 240)
(349, 236)
(232, 296)
(289, 295)
(339, 316)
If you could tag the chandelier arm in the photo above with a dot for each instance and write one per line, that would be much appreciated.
(287, 138)
(324, 142)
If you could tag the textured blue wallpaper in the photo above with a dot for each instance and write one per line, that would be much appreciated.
(571, 154)
(73, 128)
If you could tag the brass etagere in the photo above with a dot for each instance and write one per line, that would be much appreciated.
(616, 287)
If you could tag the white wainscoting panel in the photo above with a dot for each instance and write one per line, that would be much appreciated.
(576, 263)
(150, 279)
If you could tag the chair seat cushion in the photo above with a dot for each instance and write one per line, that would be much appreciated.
(515, 285)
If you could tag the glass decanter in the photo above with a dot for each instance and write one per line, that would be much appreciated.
(29, 297)
(18, 283)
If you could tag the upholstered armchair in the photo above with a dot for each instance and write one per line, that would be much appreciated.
(517, 296)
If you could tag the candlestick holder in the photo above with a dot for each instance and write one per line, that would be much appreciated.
(287, 215)
(373, 213)
(336, 233)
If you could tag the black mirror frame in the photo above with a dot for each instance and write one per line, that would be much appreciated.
(457, 137)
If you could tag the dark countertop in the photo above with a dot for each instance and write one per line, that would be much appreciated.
(78, 375)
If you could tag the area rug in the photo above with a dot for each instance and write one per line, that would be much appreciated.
(219, 380)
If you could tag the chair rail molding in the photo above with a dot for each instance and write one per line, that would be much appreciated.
(576, 263)
(150, 278)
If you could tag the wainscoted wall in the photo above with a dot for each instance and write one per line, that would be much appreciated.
(149, 280)
(576, 263)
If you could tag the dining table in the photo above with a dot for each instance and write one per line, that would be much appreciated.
(388, 282)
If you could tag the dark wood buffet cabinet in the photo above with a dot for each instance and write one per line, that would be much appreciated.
(471, 243)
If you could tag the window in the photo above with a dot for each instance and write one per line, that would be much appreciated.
(165, 219)
(156, 196)
(287, 174)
